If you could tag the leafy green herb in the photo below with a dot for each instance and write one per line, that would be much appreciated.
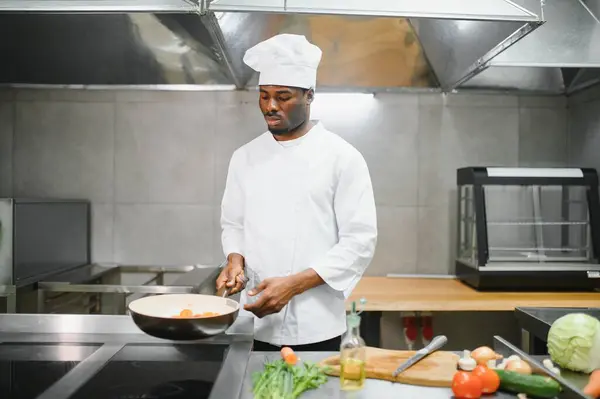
(280, 380)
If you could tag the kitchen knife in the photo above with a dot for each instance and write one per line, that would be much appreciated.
(435, 344)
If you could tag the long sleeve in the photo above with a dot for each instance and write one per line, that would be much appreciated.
(354, 205)
(232, 208)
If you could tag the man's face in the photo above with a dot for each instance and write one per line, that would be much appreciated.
(285, 108)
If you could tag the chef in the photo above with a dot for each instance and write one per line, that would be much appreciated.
(298, 214)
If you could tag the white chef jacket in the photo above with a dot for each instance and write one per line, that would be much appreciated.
(293, 205)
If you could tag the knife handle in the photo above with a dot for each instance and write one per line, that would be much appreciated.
(436, 343)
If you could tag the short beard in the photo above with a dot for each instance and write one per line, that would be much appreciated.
(279, 132)
(285, 131)
(297, 118)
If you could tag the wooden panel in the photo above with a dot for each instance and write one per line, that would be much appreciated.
(428, 294)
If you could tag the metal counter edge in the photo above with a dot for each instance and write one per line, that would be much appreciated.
(569, 390)
(230, 381)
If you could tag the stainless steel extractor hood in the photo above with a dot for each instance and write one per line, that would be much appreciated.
(149, 42)
(375, 45)
(562, 56)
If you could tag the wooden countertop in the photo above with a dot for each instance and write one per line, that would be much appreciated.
(442, 295)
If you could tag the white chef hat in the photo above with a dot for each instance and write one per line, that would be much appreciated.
(285, 60)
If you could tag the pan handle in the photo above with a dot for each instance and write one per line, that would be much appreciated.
(226, 291)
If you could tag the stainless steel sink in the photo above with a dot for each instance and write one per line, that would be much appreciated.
(101, 289)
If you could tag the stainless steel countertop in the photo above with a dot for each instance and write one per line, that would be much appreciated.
(537, 321)
(111, 334)
(373, 388)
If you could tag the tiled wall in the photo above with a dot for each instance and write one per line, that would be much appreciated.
(154, 163)
(584, 128)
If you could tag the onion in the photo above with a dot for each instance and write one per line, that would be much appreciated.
(484, 354)
(519, 366)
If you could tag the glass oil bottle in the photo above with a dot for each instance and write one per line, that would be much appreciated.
(352, 354)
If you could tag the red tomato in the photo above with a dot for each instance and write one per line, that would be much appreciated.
(489, 378)
(466, 386)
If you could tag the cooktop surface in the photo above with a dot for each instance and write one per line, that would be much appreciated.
(27, 370)
(156, 371)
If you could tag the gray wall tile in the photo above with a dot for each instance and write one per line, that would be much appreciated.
(164, 153)
(386, 134)
(584, 135)
(397, 242)
(163, 234)
(542, 101)
(453, 137)
(64, 149)
(102, 232)
(6, 147)
(543, 137)
(436, 239)
(237, 123)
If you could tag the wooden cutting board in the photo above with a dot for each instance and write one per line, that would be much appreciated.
(435, 370)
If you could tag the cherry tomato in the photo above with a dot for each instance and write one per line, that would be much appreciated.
(489, 378)
(466, 386)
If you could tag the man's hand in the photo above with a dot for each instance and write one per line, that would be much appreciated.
(275, 293)
(232, 275)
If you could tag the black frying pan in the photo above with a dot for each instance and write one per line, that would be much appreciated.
(155, 315)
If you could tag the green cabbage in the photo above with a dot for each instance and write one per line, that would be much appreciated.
(574, 342)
